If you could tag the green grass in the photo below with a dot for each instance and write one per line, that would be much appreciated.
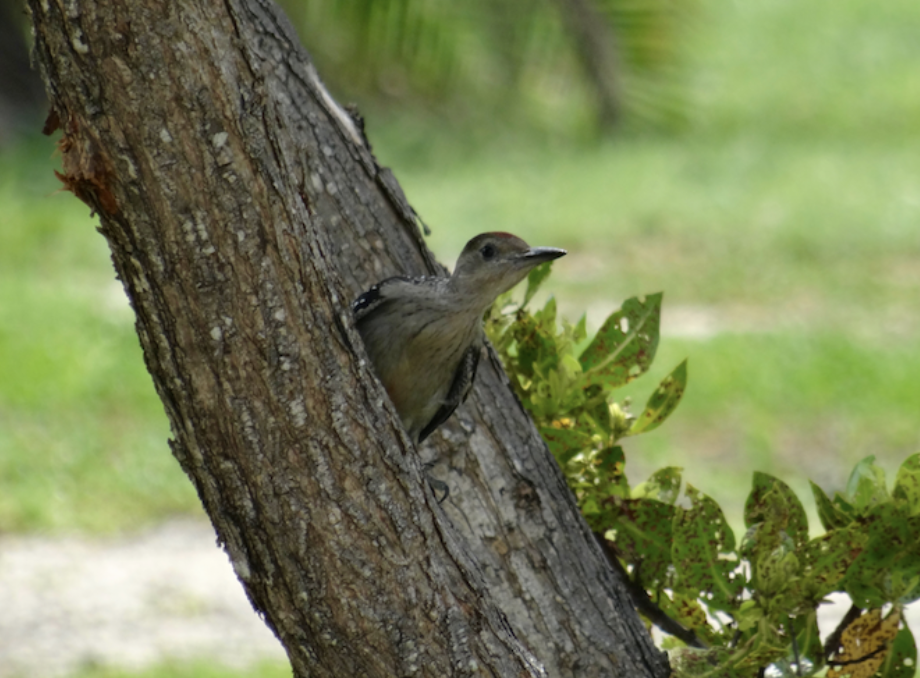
(745, 220)
(787, 217)
(193, 669)
(798, 405)
(827, 69)
(82, 433)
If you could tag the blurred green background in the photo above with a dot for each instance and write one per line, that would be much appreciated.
(779, 212)
(763, 171)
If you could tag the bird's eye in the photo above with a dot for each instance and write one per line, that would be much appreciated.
(487, 251)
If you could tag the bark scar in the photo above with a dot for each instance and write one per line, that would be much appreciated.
(86, 171)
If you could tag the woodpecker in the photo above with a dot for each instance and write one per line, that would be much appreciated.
(424, 335)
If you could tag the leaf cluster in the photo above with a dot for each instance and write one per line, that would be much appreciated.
(566, 383)
(733, 607)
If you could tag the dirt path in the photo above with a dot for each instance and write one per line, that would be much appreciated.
(165, 593)
(168, 593)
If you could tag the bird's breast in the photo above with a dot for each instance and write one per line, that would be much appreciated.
(425, 356)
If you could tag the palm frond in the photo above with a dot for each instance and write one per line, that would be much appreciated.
(483, 53)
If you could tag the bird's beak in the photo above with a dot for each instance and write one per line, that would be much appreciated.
(537, 255)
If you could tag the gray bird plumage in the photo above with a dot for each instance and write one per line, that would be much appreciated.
(424, 335)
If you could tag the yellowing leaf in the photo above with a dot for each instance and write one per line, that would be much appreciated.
(865, 644)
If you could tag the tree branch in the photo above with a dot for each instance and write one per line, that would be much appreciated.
(832, 644)
(645, 605)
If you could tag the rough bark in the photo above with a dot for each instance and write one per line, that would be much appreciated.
(244, 211)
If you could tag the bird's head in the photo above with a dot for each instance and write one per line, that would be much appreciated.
(493, 263)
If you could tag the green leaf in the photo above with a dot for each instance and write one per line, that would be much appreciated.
(625, 345)
(704, 552)
(597, 415)
(809, 639)
(832, 515)
(774, 505)
(535, 346)
(901, 661)
(546, 317)
(907, 484)
(663, 401)
(712, 662)
(778, 530)
(888, 569)
(775, 573)
(866, 486)
(643, 535)
(663, 485)
(827, 558)
(748, 615)
(534, 279)
(565, 443)
(579, 330)
(611, 459)
(724, 661)
(688, 612)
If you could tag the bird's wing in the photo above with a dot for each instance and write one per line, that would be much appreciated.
(459, 389)
(373, 299)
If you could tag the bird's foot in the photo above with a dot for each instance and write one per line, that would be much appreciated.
(435, 484)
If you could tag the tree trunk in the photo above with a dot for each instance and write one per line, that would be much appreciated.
(244, 212)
